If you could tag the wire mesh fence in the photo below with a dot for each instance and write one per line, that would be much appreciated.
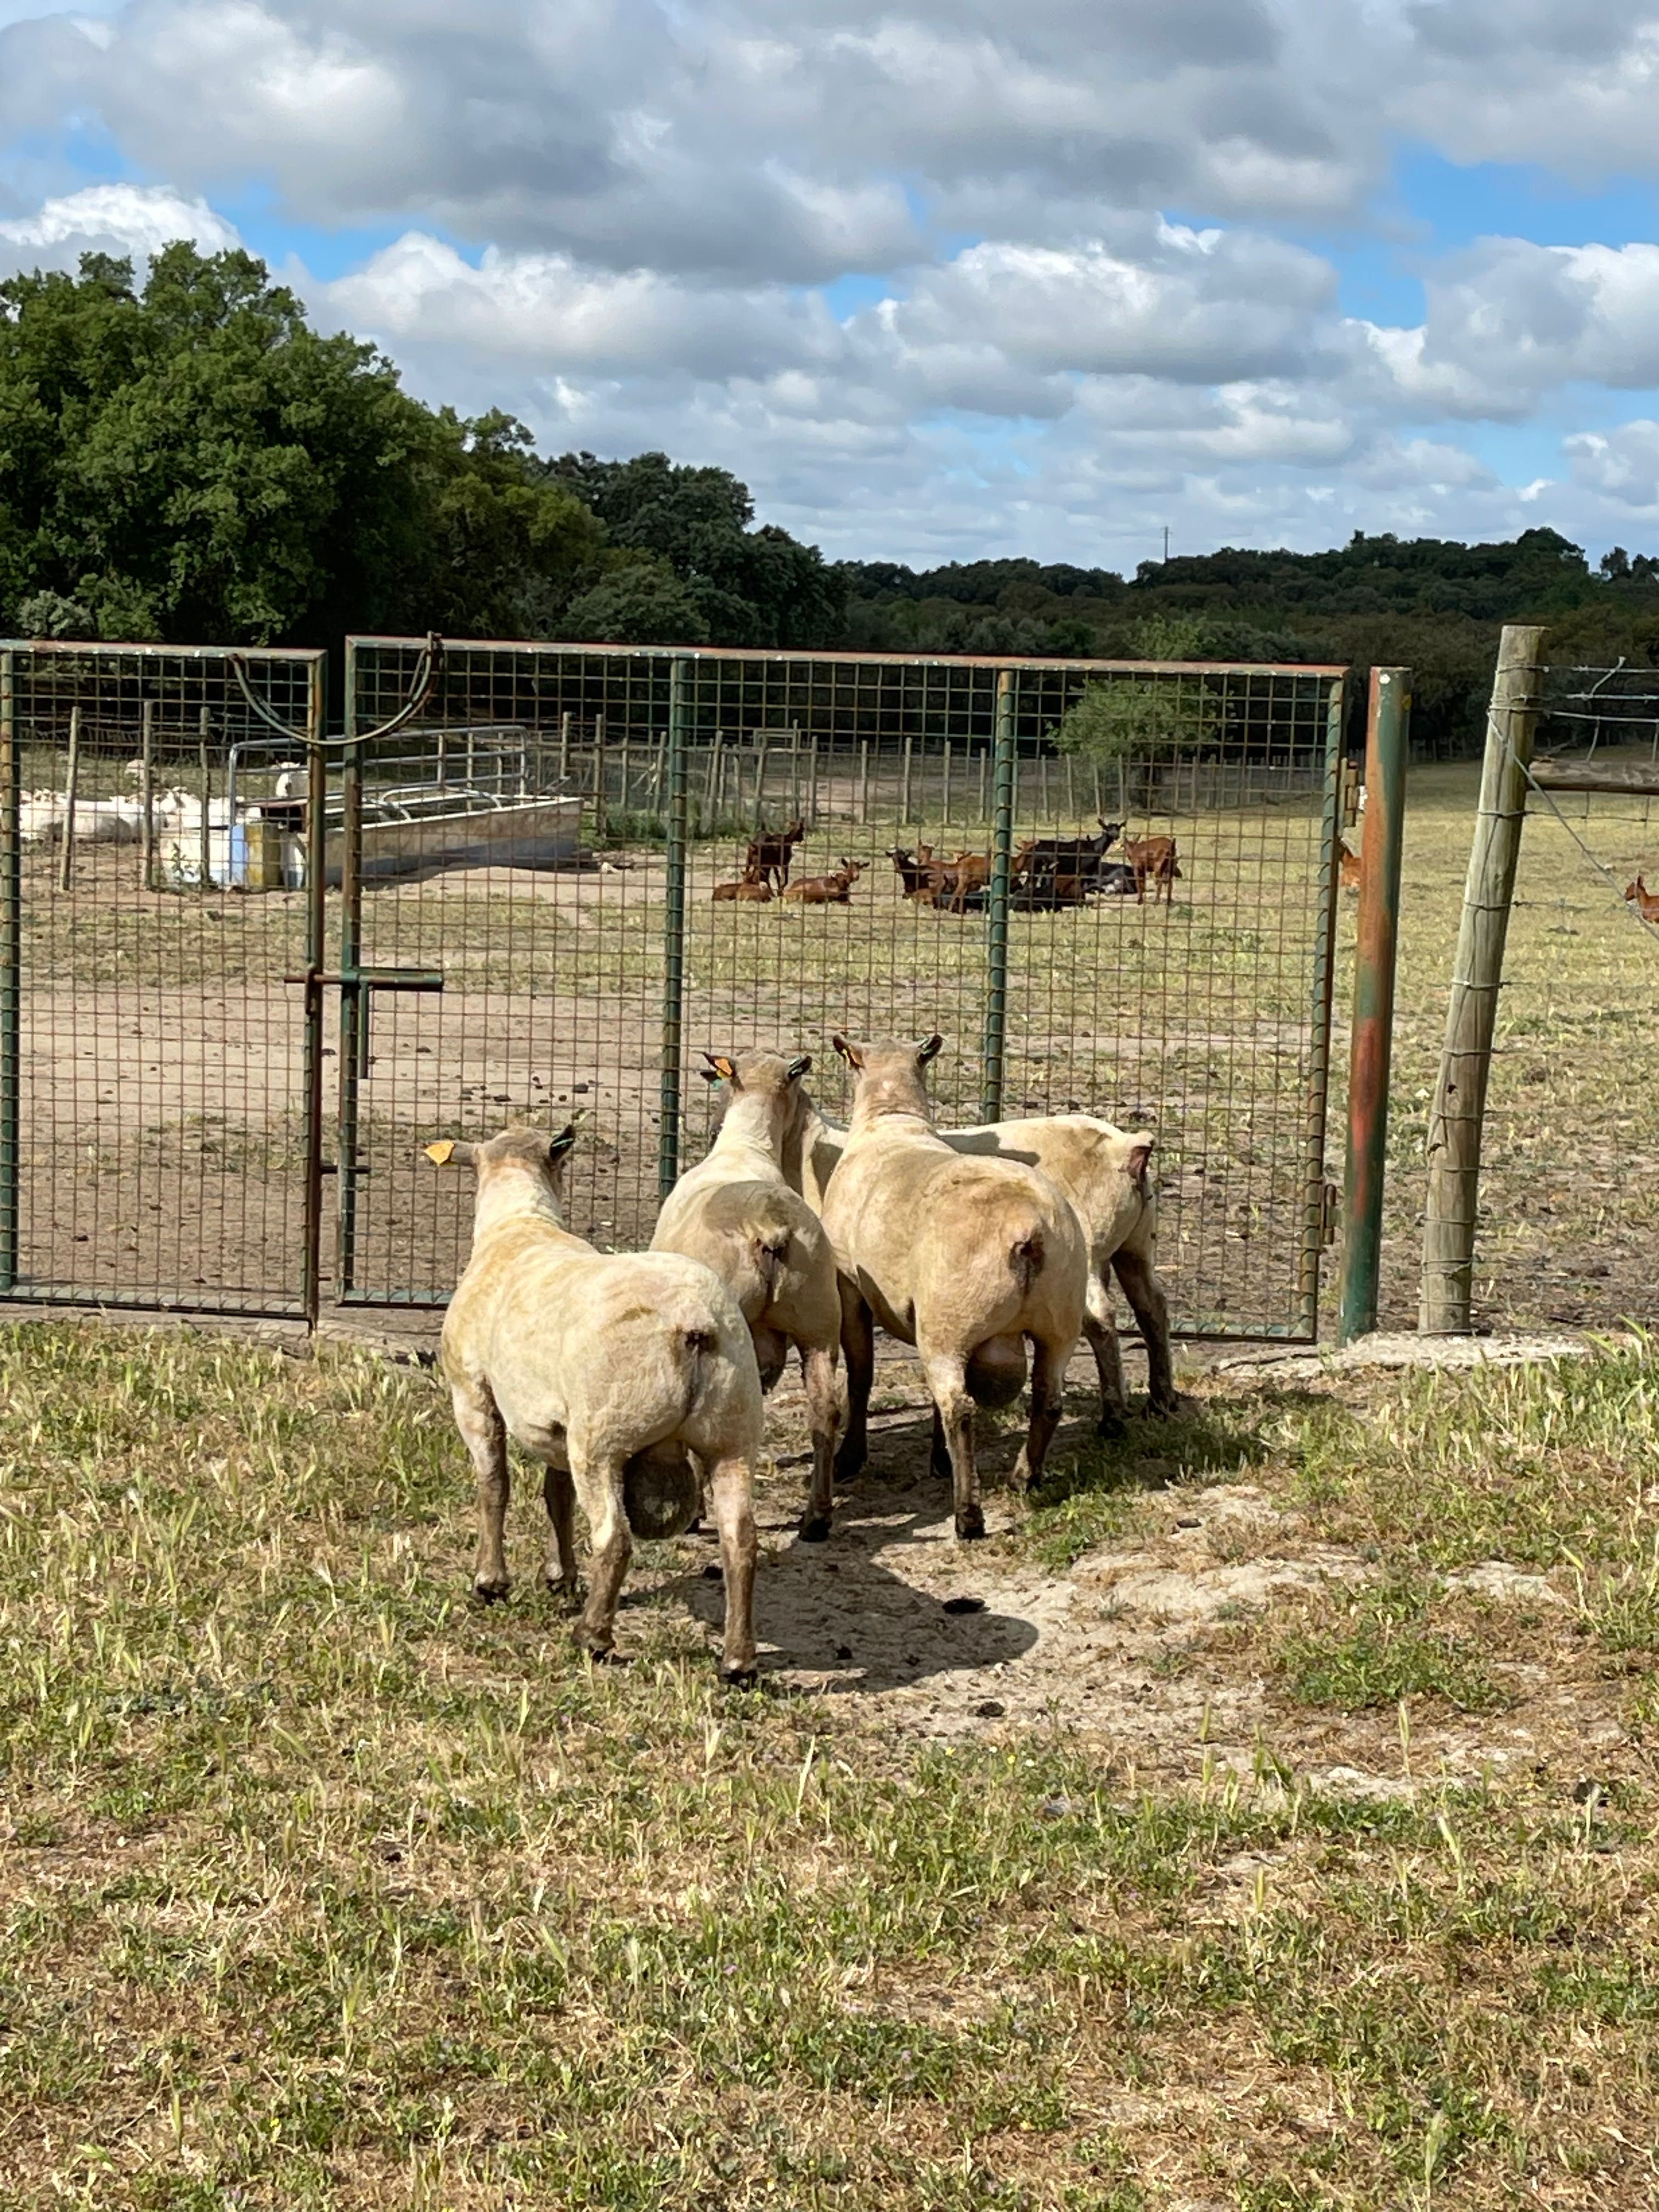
(1570, 1197)
(247, 970)
(1198, 1002)
(153, 1060)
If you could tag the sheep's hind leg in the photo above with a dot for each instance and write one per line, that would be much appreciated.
(731, 1498)
(479, 1421)
(1047, 1376)
(947, 1378)
(1138, 1281)
(858, 1341)
(818, 1372)
(598, 1483)
(559, 1493)
(1101, 1331)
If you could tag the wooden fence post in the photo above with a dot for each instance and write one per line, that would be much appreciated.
(72, 792)
(1459, 1098)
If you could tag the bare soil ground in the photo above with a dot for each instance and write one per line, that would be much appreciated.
(936, 1640)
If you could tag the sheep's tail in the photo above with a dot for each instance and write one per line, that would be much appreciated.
(770, 1248)
(697, 1339)
(1026, 1258)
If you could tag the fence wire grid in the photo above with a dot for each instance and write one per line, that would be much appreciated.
(1569, 1187)
(153, 1077)
(1204, 1013)
(248, 970)
(1570, 1240)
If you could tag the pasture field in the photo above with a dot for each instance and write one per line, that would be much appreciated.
(1277, 1832)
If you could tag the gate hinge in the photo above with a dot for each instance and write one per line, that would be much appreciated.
(1331, 1215)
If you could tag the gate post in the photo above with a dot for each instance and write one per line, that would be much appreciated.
(996, 904)
(1319, 1074)
(673, 935)
(351, 1002)
(1460, 1097)
(1387, 750)
(316, 798)
(11, 981)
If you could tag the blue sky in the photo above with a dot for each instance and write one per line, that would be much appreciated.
(938, 280)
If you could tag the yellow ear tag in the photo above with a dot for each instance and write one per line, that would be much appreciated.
(725, 1070)
(438, 1154)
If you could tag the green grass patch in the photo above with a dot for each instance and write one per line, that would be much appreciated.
(321, 1887)
(1378, 1646)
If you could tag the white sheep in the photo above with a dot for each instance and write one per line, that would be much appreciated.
(615, 1370)
(967, 1259)
(735, 1212)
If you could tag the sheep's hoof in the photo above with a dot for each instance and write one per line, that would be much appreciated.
(492, 1593)
(970, 1524)
(1111, 1429)
(1163, 1409)
(739, 1678)
(599, 1648)
(565, 1591)
(815, 1528)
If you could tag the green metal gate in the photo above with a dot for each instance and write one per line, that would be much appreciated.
(596, 982)
(159, 1068)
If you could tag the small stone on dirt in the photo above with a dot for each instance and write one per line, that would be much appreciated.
(989, 1710)
(964, 1605)
(711, 1574)
(1053, 1808)
(1189, 1521)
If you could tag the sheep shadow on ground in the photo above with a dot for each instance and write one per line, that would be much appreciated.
(868, 1612)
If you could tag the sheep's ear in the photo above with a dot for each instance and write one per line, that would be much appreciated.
(848, 1051)
(929, 1049)
(801, 1064)
(1140, 1153)
(446, 1153)
(558, 1146)
(721, 1064)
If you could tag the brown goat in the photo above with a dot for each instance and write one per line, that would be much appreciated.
(750, 885)
(826, 890)
(958, 879)
(769, 853)
(919, 874)
(1645, 902)
(1154, 861)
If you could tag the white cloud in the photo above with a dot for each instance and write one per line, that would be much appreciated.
(127, 220)
(618, 216)
(1621, 465)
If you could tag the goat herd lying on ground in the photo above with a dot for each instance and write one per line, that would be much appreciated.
(1045, 874)
(637, 1379)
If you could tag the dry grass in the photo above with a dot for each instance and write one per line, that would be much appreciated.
(321, 1888)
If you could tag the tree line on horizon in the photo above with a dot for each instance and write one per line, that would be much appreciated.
(187, 460)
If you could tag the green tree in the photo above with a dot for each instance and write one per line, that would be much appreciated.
(192, 461)
(1147, 718)
(643, 601)
(750, 586)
